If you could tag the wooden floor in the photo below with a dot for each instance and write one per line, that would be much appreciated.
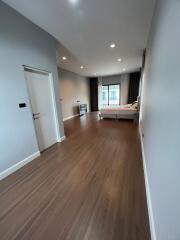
(90, 187)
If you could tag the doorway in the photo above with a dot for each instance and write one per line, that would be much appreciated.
(43, 106)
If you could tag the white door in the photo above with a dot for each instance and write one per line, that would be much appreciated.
(41, 99)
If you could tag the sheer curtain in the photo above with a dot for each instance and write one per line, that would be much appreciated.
(123, 80)
(124, 89)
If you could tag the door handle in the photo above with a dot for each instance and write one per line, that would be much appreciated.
(35, 114)
(36, 118)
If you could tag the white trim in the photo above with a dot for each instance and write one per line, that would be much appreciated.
(18, 165)
(62, 139)
(148, 193)
(65, 119)
(54, 107)
(36, 69)
(55, 115)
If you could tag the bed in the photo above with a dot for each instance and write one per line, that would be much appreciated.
(129, 111)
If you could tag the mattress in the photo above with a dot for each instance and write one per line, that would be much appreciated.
(118, 111)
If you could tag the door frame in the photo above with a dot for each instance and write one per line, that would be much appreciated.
(52, 92)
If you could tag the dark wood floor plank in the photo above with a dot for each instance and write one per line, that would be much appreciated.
(90, 187)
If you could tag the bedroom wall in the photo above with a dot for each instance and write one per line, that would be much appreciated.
(73, 88)
(123, 80)
(160, 120)
(21, 42)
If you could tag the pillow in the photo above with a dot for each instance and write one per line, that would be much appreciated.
(135, 102)
(127, 106)
(134, 105)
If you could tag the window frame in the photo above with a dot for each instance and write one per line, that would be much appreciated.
(112, 84)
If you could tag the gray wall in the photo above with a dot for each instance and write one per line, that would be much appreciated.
(73, 88)
(160, 118)
(123, 80)
(21, 42)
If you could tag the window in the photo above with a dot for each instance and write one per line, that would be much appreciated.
(111, 95)
(105, 95)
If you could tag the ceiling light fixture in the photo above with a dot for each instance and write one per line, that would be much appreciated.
(73, 1)
(119, 60)
(64, 58)
(113, 45)
(124, 69)
(81, 67)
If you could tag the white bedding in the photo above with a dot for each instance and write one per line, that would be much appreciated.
(121, 110)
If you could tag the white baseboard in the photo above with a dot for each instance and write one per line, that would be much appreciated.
(18, 165)
(65, 119)
(62, 139)
(148, 194)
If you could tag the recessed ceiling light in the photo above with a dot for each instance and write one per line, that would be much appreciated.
(64, 58)
(124, 69)
(119, 60)
(81, 67)
(73, 1)
(113, 45)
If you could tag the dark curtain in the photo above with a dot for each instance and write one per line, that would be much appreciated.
(94, 94)
(134, 86)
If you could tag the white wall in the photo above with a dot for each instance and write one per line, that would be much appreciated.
(21, 42)
(73, 88)
(160, 119)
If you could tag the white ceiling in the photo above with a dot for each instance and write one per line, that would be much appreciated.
(86, 28)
